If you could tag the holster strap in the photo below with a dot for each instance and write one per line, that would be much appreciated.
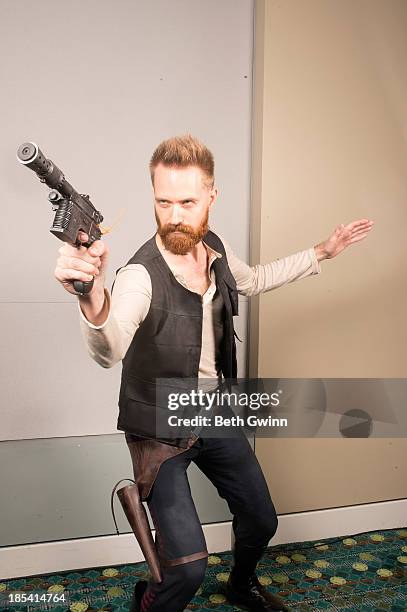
(186, 559)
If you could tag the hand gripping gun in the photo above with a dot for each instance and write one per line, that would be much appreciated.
(74, 211)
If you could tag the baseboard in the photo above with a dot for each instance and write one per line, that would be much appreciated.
(33, 559)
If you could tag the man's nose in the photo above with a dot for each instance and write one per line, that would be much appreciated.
(176, 216)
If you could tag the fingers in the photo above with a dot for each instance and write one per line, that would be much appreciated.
(360, 224)
(66, 274)
(358, 237)
(82, 252)
(98, 249)
(70, 257)
(83, 237)
(356, 229)
(360, 231)
(68, 269)
(81, 263)
(76, 263)
(91, 254)
(358, 234)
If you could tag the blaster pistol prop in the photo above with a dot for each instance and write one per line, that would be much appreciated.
(74, 211)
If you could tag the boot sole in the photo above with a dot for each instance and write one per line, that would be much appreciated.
(234, 600)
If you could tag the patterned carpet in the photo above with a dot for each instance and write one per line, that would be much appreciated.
(363, 573)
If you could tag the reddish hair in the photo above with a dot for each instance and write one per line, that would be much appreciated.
(184, 151)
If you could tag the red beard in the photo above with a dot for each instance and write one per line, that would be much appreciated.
(182, 243)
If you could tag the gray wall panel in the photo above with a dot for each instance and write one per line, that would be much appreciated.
(73, 499)
(49, 385)
(98, 84)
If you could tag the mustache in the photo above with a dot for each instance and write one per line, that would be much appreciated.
(181, 227)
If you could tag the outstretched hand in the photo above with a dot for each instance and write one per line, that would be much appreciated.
(342, 237)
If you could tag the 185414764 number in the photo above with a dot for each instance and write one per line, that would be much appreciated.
(15, 598)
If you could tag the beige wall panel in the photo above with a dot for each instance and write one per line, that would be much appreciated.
(313, 474)
(329, 97)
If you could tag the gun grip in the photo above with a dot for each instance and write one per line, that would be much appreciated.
(83, 287)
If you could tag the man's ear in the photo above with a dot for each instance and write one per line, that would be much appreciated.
(213, 196)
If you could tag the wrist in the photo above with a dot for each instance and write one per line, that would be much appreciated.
(320, 251)
(97, 293)
(95, 305)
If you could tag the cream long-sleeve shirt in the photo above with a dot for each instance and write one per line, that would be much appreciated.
(131, 297)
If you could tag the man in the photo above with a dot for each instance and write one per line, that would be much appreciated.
(170, 314)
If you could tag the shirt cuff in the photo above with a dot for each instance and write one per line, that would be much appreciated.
(316, 268)
(88, 323)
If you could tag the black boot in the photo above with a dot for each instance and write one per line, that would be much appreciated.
(243, 587)
(139, 589)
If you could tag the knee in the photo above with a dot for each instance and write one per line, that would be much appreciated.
(266, 526)
(192, 574)
(269, 525)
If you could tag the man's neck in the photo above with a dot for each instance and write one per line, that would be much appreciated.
(198, 254)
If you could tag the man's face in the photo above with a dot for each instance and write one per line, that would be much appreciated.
(182, 203)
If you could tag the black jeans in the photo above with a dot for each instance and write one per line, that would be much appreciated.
(231, 465)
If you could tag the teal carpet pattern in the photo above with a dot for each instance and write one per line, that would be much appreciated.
(363, 573)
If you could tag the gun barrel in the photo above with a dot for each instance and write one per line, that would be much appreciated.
(27, 151)
(29, 154)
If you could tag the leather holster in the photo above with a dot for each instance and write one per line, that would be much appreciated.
(137, 516)
(147, 456)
